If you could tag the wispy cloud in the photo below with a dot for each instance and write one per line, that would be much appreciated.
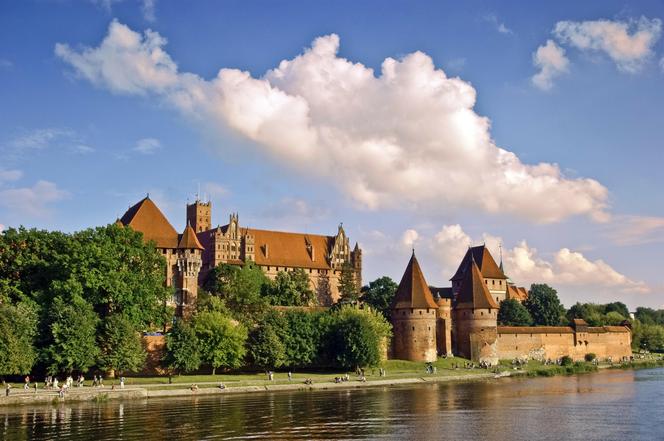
(147, 146)
(10, 175)
(30, 141)
(5, 64)
(636, 230)
(497, 24)
(148, 7)
(32, 201)
(551, 61)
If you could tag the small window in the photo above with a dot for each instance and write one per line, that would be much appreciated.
(493, 282)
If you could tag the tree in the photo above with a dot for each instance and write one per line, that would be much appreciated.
(243, 291)
(265, 347)
(183, 352)
(618, 307)
(379, 294)
(544, 305)
(72, 343)
(121, 346)
(221, 339)
(347, 284)
(358, 336)
(18, 327)
(513, 313)
(648, 336)
(614, 318)
(291, 288)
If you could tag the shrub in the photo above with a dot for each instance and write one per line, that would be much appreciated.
(590, 357)
(566, 361)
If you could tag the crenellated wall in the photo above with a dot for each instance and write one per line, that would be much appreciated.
(542, 343)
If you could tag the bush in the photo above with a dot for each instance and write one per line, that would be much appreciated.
(590, 357)
(566, 361)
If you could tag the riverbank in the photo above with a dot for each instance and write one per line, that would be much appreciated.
(397, 373)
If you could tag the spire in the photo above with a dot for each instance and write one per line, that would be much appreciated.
(413, 291)
(474, 292)
(500, 247)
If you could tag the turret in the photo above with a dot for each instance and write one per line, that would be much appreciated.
(476, 318)
(199, 215)
(414, 317)
(187, 268)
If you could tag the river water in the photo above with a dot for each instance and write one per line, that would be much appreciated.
(610, 405)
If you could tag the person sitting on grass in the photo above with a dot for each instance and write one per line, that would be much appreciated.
(194, 388)
(222, 385)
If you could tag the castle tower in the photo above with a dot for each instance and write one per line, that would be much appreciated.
(476, 318)
(199, 215)
(187, 267)
(414, 317)
(493, 275)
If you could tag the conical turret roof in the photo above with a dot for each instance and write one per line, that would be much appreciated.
(474, 292)
(149, 220)
(188, 240)
(484, 260)
(413, 291)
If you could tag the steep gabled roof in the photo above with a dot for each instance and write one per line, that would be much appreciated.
(485, 262)
(188, 240)
(413, 291)
(291, 249)
(149, 220)
(474, 292)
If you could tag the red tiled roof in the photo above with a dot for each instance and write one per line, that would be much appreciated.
(188, 240)
(413, 291)
(149, 220)
(485, 262)
(290, 249)
(474, 292)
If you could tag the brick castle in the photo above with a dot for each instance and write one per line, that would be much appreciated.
(427, 322)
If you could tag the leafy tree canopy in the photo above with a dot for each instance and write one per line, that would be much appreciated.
(121, 346)
(544, 305)
(221, 339)
(379, 294)
(513, 313)
(18, 327)
(265, 347)
(183, 352)
(348, 291)
(291, 288)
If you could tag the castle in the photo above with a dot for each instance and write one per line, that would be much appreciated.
(427, 322)
(201, 247)
(463, 320)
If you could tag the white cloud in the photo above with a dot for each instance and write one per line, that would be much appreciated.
(550, 59)
(148, 8)
(10, 175)
(497, 24)
(628, 43)
(295, 210)
(147, 146)
(636, 230)
(32, 201)
(405, 138)
(25, 143)
(40, 138)
(409, 238)
(82, 149)
(525, 265)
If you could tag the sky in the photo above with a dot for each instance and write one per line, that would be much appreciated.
(434, 126)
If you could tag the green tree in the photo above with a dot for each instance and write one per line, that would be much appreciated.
(648, 336)
(513, 313)
(618, 307)
(614, 318)
(72, 343)
(544, 305)
(292, 288)
(244, 291)
(265, 347)
(18, 327)
(379, 294)
(183, 352)
(121, 346)
(357, 336)
(347, 284)
(222, 340)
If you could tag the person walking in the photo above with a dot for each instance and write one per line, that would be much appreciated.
(290, 376)
(8, 388)
(122, 380)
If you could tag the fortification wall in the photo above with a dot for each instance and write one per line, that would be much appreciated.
(155, 347)
(553, 343)
(414, 334)
(476, 333)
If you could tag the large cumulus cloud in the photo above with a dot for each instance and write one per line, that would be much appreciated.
(407, 136)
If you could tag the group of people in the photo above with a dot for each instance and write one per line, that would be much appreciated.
(431, 369)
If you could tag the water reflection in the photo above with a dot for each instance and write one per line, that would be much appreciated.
(603, 406)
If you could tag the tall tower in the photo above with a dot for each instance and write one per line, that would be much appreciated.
(187, 266)
(414, 317)
(199, 215)
(476, 318)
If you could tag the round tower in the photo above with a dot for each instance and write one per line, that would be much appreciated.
(444, 325)
(414, 317)
(476, 319)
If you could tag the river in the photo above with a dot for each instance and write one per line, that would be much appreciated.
(609, 405)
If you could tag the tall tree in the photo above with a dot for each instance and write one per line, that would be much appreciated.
(221, 339)
(347, 284)
(265, 347)
(379, 294)
(121, 346)
(291, 288)
(183, 352)
(544, 305)
(18, 327)
(244, 291)
(72, 344)
(513, 313)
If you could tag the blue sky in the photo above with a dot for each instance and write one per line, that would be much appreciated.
(96, 113)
